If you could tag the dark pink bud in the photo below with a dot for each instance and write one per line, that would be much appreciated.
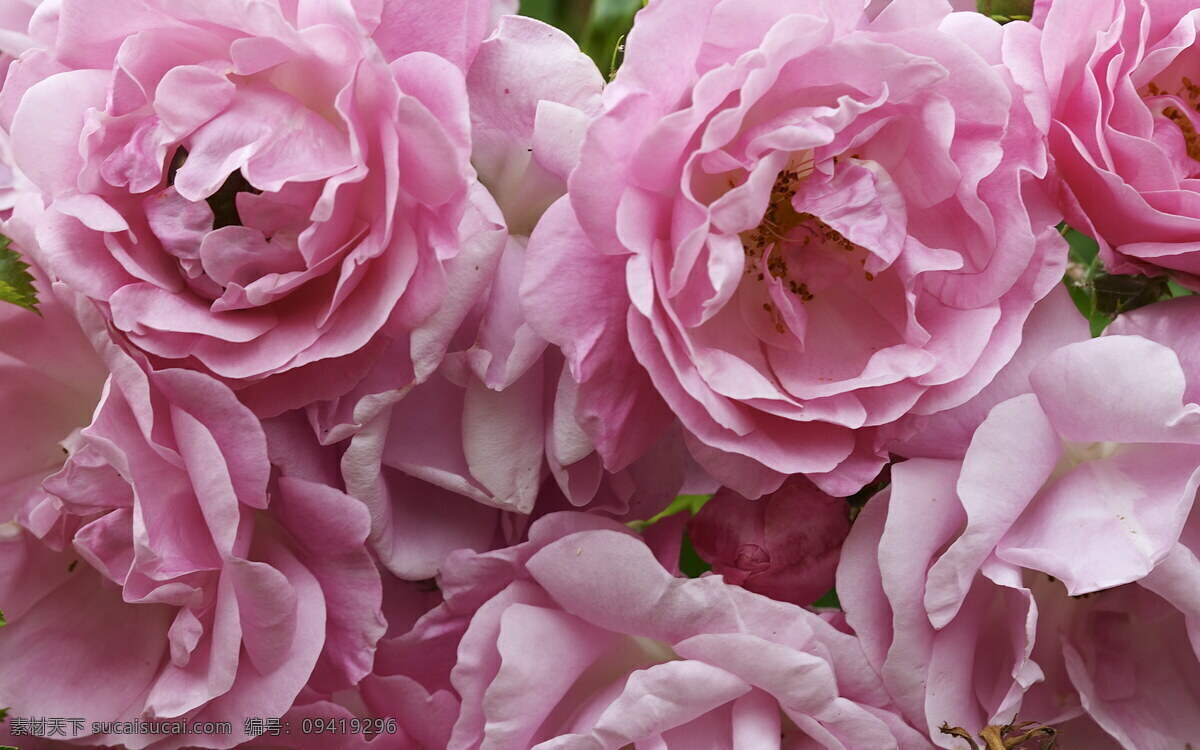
(784, 545)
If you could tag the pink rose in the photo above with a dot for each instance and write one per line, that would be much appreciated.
(1051, 571)
(875, 7)
(793, 226)
(50, 381)
(14, 39)
(169, 572)
(269, 193)
(1053, 323)
(579, 638)
(1124, 92)
(784, 545)
(462, 459)
(14, 29)
(402, 704)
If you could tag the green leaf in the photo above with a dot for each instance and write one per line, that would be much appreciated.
(1083, 268)
(1084, 303)
(690, 563)
(1102, 296)
(569, 15)
(3, 622)
(828, 601)
(1081, 248)
(16, 283)
(1116, 294)
(542, 10)
(690, 503)
(603, 37)
(1177, 289)
(1006, 10)
(1007, 19)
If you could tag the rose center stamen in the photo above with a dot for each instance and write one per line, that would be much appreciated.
(1191, 92)
(783, 227)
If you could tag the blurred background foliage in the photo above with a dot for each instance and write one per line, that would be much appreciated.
(599, 26)
(1006, 10)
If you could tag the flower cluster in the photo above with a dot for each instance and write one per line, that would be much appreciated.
(383, 374)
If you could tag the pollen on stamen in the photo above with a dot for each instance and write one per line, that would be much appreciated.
(781, 227)
(1190, 92)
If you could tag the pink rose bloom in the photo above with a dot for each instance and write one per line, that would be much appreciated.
(579, 638)
(1050, 572)
(269, 193)
(1125, 93)
(14, 40)
(50, 382)
(784, 545)
(791, 227)
(875, 7)
(460, 460)
(14, 29)
(169, 572)
(1053, 323)
(411, 718)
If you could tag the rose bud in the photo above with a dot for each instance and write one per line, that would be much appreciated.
(784, 545)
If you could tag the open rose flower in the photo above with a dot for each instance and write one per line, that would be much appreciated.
(1124, 84)
(270, 192)
(792, 226)
(1050, 572)
(168, 572)
(579, 638)
(446, 464)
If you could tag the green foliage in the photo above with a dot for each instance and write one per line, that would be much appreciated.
(1176, 289)
(1004, 11)
(608, 24)
(690, 563)
(1082, 266)
(690, 503)
(16, 283)
(3, 622)
(599, 26)
(828, 601)
(569, 15)
(1102, 296)
(1116, 294)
